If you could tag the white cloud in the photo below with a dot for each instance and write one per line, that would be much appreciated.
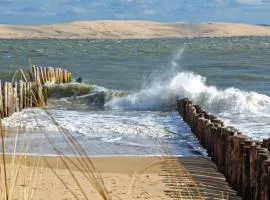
(249, 2)
(149, 12)
(246, 2)
(79, 10)
(134, 1)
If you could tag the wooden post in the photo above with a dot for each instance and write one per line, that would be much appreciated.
(65, 76)
(261, 155)
(245, 163)
(34, 71)
(45, 74)
(265, 163)
(268, 186)
(16, 96)
(239, 165)
(48, 74)
(246, 170)
(21, 95)
(24, 95)
(253, 169)
(31, 94)
(27, 95)
(266, 143)
(10, 94)
(5, 99)
(40, 75)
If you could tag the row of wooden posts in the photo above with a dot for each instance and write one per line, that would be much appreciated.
(49, 74)
(29, 91)
(244, 162)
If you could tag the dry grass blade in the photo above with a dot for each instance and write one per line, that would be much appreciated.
(54, 180)
(62, 181)
(40, 175)
(4, 159)
(23, 75)
(14, 75)
(94, 176)
(13, 165)
(137, 174)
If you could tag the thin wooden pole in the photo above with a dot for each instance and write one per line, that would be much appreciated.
(30, 94)
(16, 102)
(5, 99)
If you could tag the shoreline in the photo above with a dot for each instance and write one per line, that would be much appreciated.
(104, 156)
(141, 38)
(133, 161)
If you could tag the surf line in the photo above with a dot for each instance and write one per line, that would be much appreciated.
(29, 88)
(244, 161)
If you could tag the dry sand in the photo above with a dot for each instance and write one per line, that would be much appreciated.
(126, 178)
(131, 29)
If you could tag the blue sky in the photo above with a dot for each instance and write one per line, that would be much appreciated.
(51, 11)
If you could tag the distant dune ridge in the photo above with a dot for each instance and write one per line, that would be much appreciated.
(113, 29)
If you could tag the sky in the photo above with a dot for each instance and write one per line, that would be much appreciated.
(54, 11)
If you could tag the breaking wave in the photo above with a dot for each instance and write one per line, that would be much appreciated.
(80, 93)
(188, 84)
(247, 110)
(163, 91)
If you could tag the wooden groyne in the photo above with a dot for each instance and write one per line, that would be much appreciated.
(49, 74)
(244, 162)
(29, 90)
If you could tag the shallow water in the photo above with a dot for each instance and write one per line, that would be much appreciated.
(230, 77)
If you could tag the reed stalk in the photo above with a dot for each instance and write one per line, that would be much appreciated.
(4, 159)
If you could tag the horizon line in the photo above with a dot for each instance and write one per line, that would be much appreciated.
(128, 20)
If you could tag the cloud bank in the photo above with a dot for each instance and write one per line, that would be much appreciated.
(51, 11)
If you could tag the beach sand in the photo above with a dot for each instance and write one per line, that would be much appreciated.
(126, 177)
(128, 29)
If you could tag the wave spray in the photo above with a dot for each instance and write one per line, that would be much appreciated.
(162, 93)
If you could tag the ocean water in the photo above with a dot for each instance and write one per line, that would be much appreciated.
(140, 81)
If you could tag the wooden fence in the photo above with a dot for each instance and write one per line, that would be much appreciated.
(49, 74)
(244, 162)
(18, 95)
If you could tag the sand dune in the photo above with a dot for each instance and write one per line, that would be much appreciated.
(131, 29)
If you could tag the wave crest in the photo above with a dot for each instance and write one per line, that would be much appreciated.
(163, 95)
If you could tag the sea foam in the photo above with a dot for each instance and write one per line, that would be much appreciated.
(247, 110)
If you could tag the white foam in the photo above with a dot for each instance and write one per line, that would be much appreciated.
(31, 118)
(237, 107)
(102, 124)
(193, 86)
(94, 124)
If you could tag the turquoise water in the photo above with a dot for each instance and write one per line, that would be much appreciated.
(228, 76)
